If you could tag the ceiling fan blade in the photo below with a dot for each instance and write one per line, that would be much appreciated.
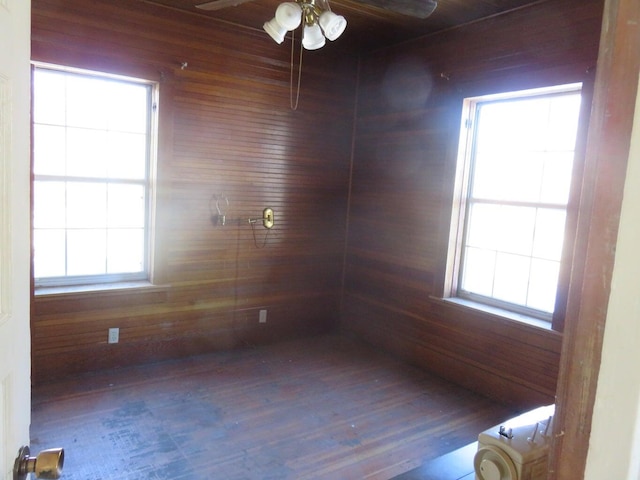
(220, 4)
(417, 9)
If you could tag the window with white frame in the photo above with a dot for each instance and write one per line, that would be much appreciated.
(93, 145)
(516, 158)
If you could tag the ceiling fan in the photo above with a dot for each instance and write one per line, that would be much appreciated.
(318, 23)
(412, 8)
(220, 4)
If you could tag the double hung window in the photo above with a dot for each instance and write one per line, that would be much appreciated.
(516, 162)
(93, 145)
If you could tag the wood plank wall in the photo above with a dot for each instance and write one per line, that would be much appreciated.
(225, 128)
(408, 116)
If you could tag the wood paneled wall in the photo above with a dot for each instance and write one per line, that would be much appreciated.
(408, 116)
(225, 129)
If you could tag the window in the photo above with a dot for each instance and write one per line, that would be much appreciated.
(93, 138)
(516, 161)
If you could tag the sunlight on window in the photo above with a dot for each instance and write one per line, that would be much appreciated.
(126, 206)
(48, 258)
(50, 150)
(86, 252)
(521, 167)
(123, 151)
(479, 270)
(129, 246)
(549, 234)
(511, 278)
(91, 155)
(49, 210)
(86, 153)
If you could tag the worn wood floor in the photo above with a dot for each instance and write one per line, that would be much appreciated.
(322, 408)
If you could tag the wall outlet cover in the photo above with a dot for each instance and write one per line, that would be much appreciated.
(114, 335)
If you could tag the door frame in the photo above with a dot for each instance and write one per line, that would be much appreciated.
(607, 154)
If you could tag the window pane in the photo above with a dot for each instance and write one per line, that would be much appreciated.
(484, 225)
(86, 252)
(479, 271)
(515, 176)
(48, 253)
(512, 125)
(556, 180)
(128, 105)
(563, 122)
(125, 251)
(524, 177)
(496, 130)
(549, 235)
(490, 175)
(86, 155)
(49, 150)
(532, 119)
(126, 206)
(86, 205)
(86, 103)
(127, 154)
(511, 278)
(516, 229)
(49, 205)
(543, 285)
(49, 91)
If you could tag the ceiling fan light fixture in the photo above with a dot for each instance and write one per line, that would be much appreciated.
(312, 37)
(289, 15)
(332, 25)
(319, 21)
(275, 30)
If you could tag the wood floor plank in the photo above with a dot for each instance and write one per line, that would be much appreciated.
(321, 408)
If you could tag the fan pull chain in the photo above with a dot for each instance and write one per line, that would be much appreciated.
(294, 106)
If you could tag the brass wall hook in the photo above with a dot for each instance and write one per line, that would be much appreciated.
(47, 464)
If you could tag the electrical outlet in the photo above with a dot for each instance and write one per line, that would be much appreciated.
(114, 335)
(262, 318)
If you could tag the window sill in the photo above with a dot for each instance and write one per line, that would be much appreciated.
(98, 288)
(496, 312)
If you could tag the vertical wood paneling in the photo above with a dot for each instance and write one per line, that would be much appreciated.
(409, 107)
(226, 128)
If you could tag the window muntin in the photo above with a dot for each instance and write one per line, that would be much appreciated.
(93, 145)
(519, 154)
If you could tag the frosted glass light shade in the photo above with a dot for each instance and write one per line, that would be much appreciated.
(318, 24)
(332, 25)
(312, 37)
(289, 15)
(275, 30)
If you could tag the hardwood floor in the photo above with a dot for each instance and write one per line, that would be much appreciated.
(321, 408)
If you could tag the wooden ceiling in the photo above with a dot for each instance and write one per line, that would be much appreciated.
(368, 27)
